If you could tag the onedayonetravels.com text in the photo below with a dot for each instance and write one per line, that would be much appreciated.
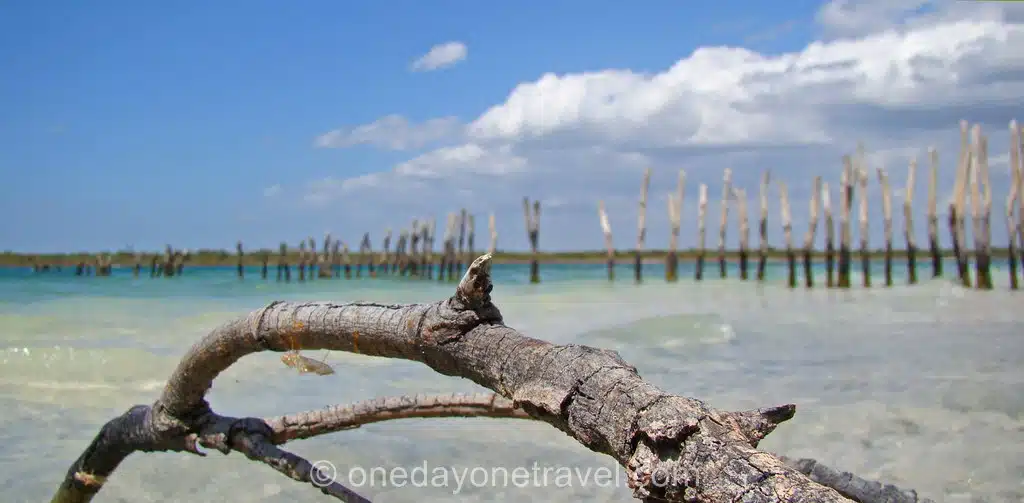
(457, 478)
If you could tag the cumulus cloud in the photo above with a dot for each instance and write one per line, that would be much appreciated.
(440, 56)
(897, 76)
(393, 132)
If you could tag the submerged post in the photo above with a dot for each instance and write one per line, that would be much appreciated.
(1011, 201)
(606, 229)
(744, 229)
(908, 217)
(385, 265)
(461, 258)
(533, 233)
(883, 181)
(957, 206)
(641, 226)
(1018, 148)
(724, 221)
(812, 228)
(675, 211)
(787, 232)
(762, 259)
(845, 201)
(981, 207)
(702, 206)
(865, 252)
(933, 213)
(830, 232)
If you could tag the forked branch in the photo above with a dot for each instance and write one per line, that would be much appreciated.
(672, 448)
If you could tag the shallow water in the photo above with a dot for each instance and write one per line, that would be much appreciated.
(917, 386)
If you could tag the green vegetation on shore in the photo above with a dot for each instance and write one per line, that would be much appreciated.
(213, 258)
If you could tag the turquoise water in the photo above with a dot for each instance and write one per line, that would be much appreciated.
(918, 386)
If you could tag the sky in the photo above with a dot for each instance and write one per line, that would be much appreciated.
(199, 124)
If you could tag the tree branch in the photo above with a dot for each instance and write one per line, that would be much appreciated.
(673, 448)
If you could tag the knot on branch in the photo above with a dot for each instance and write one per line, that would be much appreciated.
(227, 433)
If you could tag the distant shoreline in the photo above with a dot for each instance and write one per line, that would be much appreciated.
(215, 258)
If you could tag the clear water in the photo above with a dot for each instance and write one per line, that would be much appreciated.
(919, 386)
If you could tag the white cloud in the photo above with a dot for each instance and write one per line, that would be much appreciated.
(897, 78)
(440, 56)
(393, 132)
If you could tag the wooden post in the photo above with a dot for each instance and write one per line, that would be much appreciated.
(428, 244)
(1011, 202)
(533, 233)
(449, 248)
(470, 231)
(606, 228)
(1018, 134)
(762, 229)
(282, 264)
(336, 258)
(933, 214)
(830, 232)
(398, 266)
(744, 229)
(675, 211)
(883, 180)
(492, 248)
(137, 266)
(302, 260)
(415, 239)
(981, 207)
(346, 260)
(314, 257)
(958, 206)
(326, 269)
(787, 233)
(811, 232)
(865, 252)
(845, 201)
(367, 245)
(241, 258)
(461, 258)
(908, 217)
(265, 257)
(385, 264)
(641, 227)
(724, 221)
(702, 207)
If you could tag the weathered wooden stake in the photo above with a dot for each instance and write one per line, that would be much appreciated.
(137, 266)
(415, 239)
(428, 239)
(933, 213)
(336, 258)
(533, 233)
(265, 257)
(492, 248)
(744, 229)
(606, 228)
(448, 269)
(957, 207)
(282, 264)
(908, 217)
(845, 202)
(241, 259)
(641, 228)
(787, 233)
(470, 231)
(724, 221)
(675, 212)
(314, 257)
(702, 207)
(302, 260)
(865, 252)
(368, 246)
(812, 229)
(385, 263)
(326, 260)
(830, 233)
(398, 266)
(346, 260)
(762, 228)
(1011, 202)
(1019, 137)
(883, 180)
(461, 258)
(981, 208)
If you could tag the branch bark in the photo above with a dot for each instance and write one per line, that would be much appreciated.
(672, 448)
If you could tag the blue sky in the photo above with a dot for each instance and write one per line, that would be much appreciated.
(197, 124)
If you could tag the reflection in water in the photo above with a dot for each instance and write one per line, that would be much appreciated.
(915, 386)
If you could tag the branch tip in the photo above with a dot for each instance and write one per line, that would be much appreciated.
(475, 287)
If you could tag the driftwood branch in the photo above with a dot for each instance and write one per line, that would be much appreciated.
(672, 448)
